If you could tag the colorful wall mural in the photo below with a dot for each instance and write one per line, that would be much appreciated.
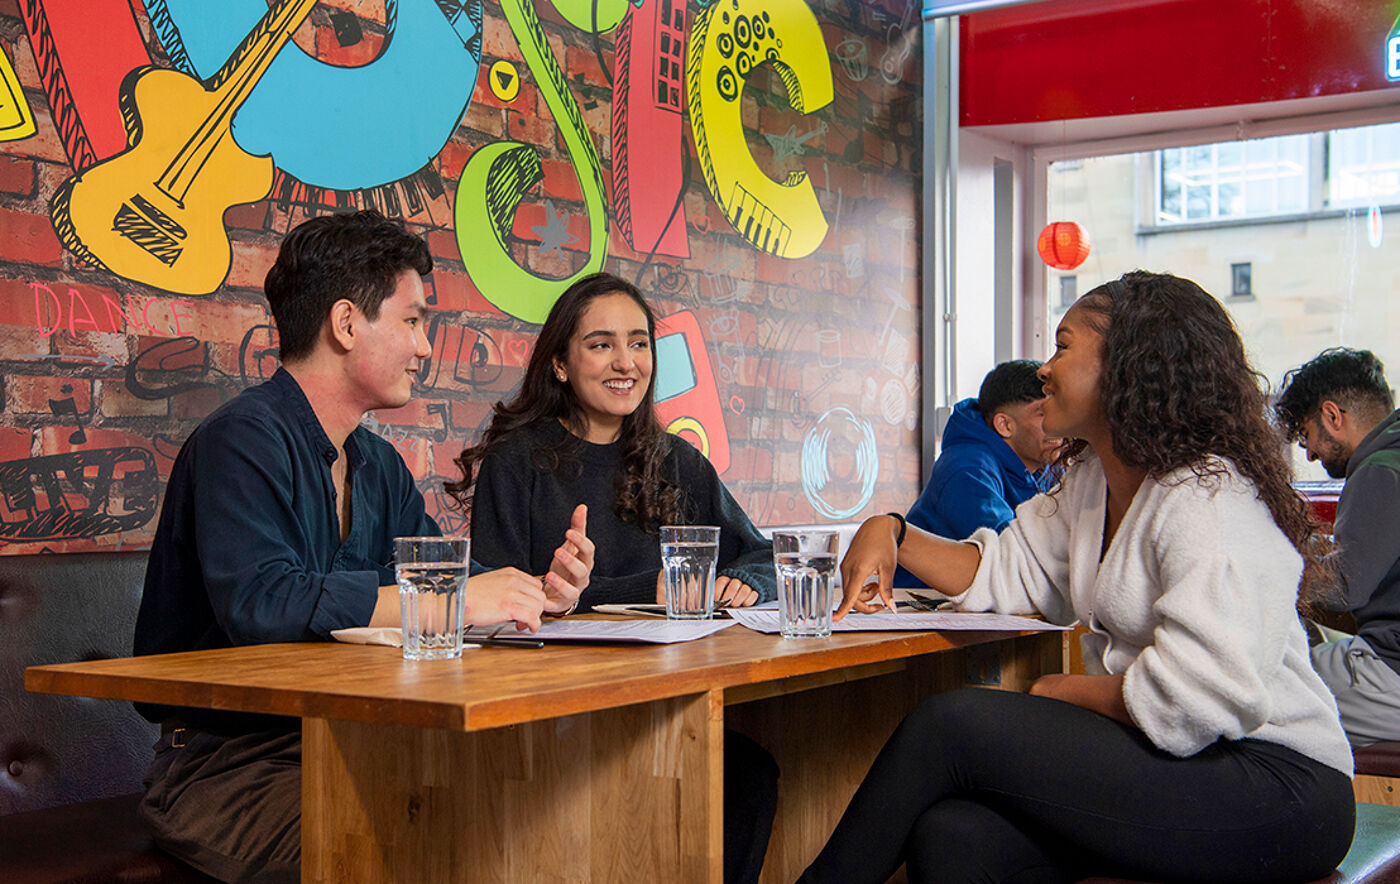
(752, 164)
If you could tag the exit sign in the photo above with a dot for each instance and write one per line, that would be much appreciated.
(1392, 57)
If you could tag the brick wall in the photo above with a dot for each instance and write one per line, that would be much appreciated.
(813, 356)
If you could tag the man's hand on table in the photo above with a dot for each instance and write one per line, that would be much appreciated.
(506, 594)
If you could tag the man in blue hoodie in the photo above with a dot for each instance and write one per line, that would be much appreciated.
(995, 455)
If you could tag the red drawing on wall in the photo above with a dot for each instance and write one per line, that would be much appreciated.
(649, 98)
(687, 400)
(83, 49)
(154, 213)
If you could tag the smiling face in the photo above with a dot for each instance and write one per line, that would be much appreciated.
(390, 348)
(1073, 401)
(609, 364)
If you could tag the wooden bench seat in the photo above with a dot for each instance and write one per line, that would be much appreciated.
(92, 842)
(1374, 857)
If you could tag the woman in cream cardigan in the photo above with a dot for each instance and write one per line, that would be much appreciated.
(1201, 746)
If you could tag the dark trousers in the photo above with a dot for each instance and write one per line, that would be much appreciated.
(994, 786)
(229, 806)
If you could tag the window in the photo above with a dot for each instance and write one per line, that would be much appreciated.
(1069, 290)
(1324, 277)
(1234, 179)
(1240, 280)
(1363, 166)
(1241, 180)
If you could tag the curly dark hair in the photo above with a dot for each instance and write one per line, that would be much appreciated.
(1355, 378)
(1176, 389)
(644, 496)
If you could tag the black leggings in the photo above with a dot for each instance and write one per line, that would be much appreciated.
(750, 803)
(994, 786)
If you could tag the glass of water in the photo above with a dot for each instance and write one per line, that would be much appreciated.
(432, 577)
(688, 557)
(805, 562)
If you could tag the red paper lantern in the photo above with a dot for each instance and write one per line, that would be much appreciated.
(1063, 245)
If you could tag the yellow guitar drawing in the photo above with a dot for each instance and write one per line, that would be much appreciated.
(154, 213)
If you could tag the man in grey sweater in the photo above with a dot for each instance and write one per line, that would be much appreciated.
(1340, 409)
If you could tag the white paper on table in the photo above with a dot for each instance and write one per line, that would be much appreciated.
(655, 632)
(392, 636)
(914, 621)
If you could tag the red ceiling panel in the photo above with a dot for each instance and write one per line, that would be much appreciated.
(1070, 59)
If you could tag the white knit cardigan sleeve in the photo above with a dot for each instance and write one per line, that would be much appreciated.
(1025, 569)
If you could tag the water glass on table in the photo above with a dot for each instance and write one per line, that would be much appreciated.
(688, 557)
(806, 563)
(432, 577)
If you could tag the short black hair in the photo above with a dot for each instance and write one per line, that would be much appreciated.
(354, 255)
(1355, 378)
(1010, 383)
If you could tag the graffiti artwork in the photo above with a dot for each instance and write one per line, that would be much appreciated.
(80, 495)
(750, 164)
(730, 39)
(498, 176)
(184, 167)
(649, 100)
(687, 398)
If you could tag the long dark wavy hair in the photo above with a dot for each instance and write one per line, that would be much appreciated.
(644, 495)
(1176, 388)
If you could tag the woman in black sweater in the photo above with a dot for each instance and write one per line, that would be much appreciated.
(582, 429)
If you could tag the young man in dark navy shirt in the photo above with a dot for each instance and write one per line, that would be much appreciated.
(278, 524)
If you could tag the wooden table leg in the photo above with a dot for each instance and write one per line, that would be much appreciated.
(628, 794)
(825, 738)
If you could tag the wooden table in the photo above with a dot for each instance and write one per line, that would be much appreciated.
(570, 763)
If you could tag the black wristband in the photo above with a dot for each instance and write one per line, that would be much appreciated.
(903, 527)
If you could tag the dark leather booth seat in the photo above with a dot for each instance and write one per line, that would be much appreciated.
(70, 768)
(1378, 760)
(92, 842)
(1374, 857)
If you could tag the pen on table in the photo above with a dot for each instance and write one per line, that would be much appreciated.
(506, 642)
(490, 641)
(644, 610)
